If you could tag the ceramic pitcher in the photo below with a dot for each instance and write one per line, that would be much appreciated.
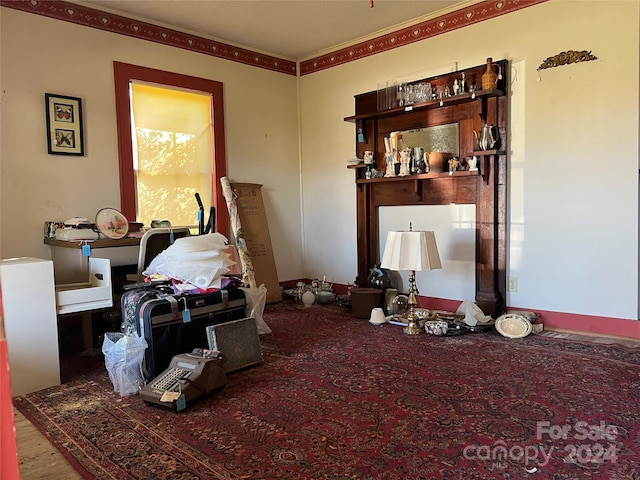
(486, 140)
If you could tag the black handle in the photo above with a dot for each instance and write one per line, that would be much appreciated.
(200, 214)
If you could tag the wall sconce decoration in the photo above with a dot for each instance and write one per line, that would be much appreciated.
(64, 125)
(565, 58)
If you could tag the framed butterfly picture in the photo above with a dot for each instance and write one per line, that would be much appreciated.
(64, 125)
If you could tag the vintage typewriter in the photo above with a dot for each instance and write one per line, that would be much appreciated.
(188, 377)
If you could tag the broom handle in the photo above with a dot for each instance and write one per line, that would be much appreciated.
(248, 275)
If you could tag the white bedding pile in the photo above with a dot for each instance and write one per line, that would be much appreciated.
(200, 261)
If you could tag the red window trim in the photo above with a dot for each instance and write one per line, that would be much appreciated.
(125, 73)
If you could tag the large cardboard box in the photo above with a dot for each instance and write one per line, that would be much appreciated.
(253, 221)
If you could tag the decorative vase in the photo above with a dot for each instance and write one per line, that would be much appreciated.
(390, 172)
(389, 295)
(405, 157)
(436, 161)
(379, 278)
(490, 77)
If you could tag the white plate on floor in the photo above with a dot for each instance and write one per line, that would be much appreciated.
(513, 326)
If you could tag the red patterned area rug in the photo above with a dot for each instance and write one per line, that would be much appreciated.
(339, 398)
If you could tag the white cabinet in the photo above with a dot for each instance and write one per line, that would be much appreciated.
(29, 306)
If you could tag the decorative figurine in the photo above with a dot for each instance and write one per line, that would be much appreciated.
(425, 163)
(368, 161)
(391, 171)
(473, 163)
(405, 157)
(453, 165)
(418, 153)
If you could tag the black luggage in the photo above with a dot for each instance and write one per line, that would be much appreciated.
(170, 330)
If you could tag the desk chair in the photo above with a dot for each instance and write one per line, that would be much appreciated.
(152, 243)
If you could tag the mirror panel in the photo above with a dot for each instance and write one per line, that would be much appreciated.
(439, 138)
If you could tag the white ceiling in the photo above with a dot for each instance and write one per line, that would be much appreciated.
(293, 29)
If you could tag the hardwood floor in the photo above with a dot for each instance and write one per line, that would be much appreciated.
(38, 458)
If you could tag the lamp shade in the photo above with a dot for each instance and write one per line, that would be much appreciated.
(411, 250)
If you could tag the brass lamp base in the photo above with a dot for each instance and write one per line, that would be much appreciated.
(412, 327)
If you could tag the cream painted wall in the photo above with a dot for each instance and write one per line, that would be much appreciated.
(573, 230)
(41, 55)
(573, 209)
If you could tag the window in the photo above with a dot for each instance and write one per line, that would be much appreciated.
(134, 198)
(171, 152)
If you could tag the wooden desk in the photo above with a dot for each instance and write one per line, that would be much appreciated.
(123, 242)
(71, 266)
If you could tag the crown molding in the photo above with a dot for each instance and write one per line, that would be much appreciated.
(89, 17)
(429, 28)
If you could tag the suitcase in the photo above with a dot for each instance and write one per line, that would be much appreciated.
(131, 300)
(170, 330)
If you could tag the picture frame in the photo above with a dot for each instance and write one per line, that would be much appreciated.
(64, 125)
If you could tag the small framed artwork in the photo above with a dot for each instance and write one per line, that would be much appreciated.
(64, 125)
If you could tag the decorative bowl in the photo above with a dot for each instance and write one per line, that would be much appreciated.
(325, 297)
(436, 327)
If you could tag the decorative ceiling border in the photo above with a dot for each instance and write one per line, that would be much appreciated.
(430, 28)
(89, 17)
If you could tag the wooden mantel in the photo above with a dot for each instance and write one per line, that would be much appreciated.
(486, 188)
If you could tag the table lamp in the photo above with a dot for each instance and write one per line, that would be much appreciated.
(409, 250)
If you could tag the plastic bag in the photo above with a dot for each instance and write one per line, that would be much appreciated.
(473, 315)
(123, 356)
(256, 298)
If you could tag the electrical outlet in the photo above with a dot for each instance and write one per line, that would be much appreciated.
(513, 284)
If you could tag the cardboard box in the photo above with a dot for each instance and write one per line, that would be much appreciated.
(253, 220)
